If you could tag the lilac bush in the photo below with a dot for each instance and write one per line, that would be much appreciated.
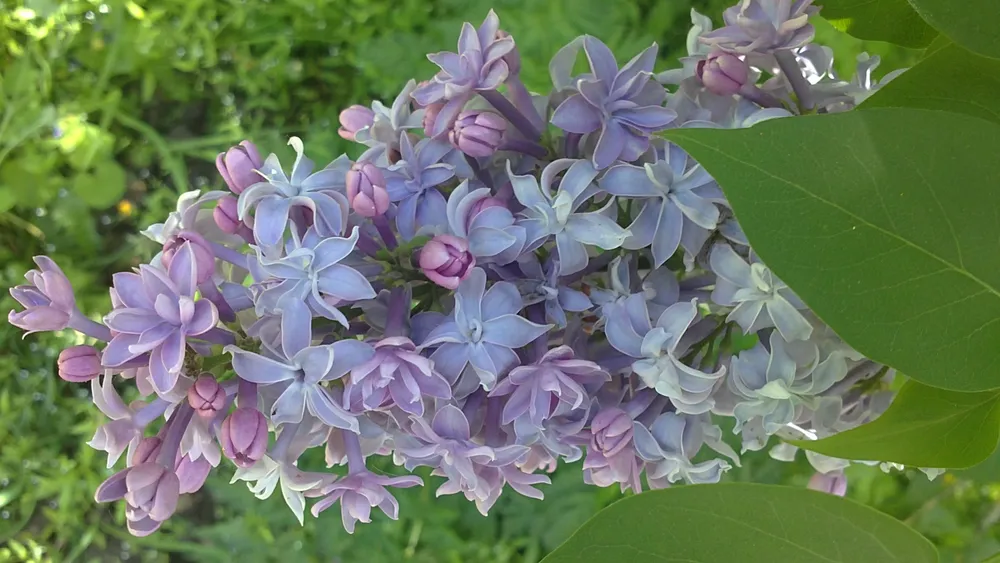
(501, 283)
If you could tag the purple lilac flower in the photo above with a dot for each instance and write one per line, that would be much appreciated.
(310, 278)
(483, 332)
(389, 124)
(611, 456)
(358, 493)
(547, 214)
(625, 105)
(475, 215)
(478, 66)
(397, 375)
(764, 26)
(273, 199)
(678, 198)
(412, 183)
(297, 374)
(554, 385)
(540, 284)
(49, 303)
(125, 429)
(157, 315)
(834, 483)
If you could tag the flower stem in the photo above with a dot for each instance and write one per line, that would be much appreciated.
(218, 336)
(385, 231)
(790, 68)
(514, 115)
(540, 345)
(229, 255)
(759, 97)
(246, 394)
(81, 323)
(172, 439)
(398, 309)
(524, 147)
(355, 459)
(522, 99)
(284, 441)
(571, 144)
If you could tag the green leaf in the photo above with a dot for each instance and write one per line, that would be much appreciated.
(924, 427)
(885, 222)
(987, 471)
(970, 23)
(949, 79)
(745, 523)
(8, 198)
(894, 21)
(103, 187)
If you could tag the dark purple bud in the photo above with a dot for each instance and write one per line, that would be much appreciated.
(204, 256)
(366, 190)
(146, 451)
(227, 218)
(723, 73)
(79, 364)
(513, 58)
(238, 166)
(354, 119)
(478, 133)
(446, 260)
(430, 116)
(611, 431)
(206, 396)
(244, 436)
(834, 483)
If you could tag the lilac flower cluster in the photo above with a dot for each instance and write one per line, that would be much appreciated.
(501, 282)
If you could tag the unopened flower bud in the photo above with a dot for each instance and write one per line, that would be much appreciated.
(483, 205)
(191, 473)
(79, 364)
(244, 436)
(238, 166)
(227, 218)
(354, 119)
(478, 133)
(200, 248)
(723, 73)
(446, 260)
(366, 190)
(206, 396)
(834, 483)
(146, 451)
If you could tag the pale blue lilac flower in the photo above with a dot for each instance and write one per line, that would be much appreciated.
(446, 444)
(412, 183)
(311, 278)
(483, 331)
(540, 284)
(668, 447)
(125, 429)
(478, 66)
(834, 483)
(625, 105)
(556, 384)
(358, 493)
(298, 373)
(273, 199)
(547, 213)
(157, 315)
(658, 348)
(475, 215)
(389, 124)
(397, 375)
(194, 212)
(677, 194)
(759, 299)
(764, 26)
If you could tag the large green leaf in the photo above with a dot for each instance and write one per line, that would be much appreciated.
(894, 21)
(742, 522)
(925, 427)
(886, 222)
(988, 471)
(950, 79)
(970, 23)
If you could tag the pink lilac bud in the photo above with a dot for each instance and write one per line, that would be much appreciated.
(238, 166)
(723, 73)
(79, 364)
(227, 218)
(446, 260)
(834, 483)
(206, 396)
(366, 190)
(611, 431)
(478, 133)
(244, 436)
(203, 254)
(354, 119)
(147, 451)
(430, 116)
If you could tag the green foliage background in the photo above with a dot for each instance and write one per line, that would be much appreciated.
(109, 110)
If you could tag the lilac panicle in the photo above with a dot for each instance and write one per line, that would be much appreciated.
(624, 104)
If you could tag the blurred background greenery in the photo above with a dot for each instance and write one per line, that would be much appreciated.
(109, 110)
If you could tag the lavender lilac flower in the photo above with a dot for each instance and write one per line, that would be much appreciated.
(474, 297)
